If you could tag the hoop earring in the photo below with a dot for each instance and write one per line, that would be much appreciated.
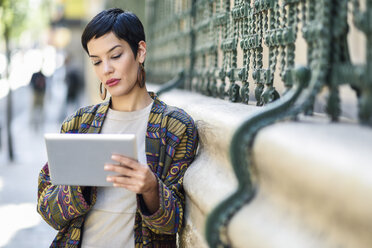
(141, 76)
(102, 94)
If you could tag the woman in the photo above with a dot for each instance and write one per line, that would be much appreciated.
(145, 206)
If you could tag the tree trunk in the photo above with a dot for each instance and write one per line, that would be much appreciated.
(9, 113)
(8, 126)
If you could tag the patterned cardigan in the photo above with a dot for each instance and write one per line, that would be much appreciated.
(171, 144)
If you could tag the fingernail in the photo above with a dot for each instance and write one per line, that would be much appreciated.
(106, 167)
(109, 179)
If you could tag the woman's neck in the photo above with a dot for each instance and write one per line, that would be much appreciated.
(136, 100)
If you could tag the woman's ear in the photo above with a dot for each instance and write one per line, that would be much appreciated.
(141, 53)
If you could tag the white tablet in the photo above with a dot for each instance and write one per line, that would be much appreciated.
(78, 159)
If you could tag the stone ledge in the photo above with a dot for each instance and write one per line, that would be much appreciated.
(210, 178)
(304, 200)
(325, 178)
(216, 120)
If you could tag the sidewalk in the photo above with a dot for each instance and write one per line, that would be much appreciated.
(20, 224)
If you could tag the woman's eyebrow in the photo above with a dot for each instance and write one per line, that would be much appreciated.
(107, 51)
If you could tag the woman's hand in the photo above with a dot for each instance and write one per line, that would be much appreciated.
(135, 177)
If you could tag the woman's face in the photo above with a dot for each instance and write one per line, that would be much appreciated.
(114, 63)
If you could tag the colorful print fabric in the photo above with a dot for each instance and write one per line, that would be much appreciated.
(171, 144)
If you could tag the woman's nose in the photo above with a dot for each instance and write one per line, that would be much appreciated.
(107, 68)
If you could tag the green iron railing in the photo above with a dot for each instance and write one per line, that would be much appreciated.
(205, 38)
(223, 47)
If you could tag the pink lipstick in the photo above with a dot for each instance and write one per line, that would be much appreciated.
(112, 82)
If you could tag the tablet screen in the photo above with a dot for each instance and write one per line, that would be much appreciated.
(78, 159)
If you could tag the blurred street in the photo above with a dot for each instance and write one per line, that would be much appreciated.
(21, 225)
(42, 64)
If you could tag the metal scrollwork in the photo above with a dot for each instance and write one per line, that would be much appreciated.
(206, 37)
(216, 226)
(234, 92)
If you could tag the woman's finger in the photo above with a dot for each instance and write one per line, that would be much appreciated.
(127, 183)
(120, 169)
(120, 180)
(125, 161)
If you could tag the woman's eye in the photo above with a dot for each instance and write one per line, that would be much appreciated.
(116, 56)
(96, 62)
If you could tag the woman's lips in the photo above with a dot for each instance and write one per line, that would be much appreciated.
(112, 82)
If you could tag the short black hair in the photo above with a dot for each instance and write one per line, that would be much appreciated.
(124, 24)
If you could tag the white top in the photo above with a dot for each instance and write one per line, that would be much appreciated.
(110, 222)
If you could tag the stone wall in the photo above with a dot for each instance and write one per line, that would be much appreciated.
(313, 179)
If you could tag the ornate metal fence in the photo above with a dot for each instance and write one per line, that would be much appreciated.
(224, 47)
